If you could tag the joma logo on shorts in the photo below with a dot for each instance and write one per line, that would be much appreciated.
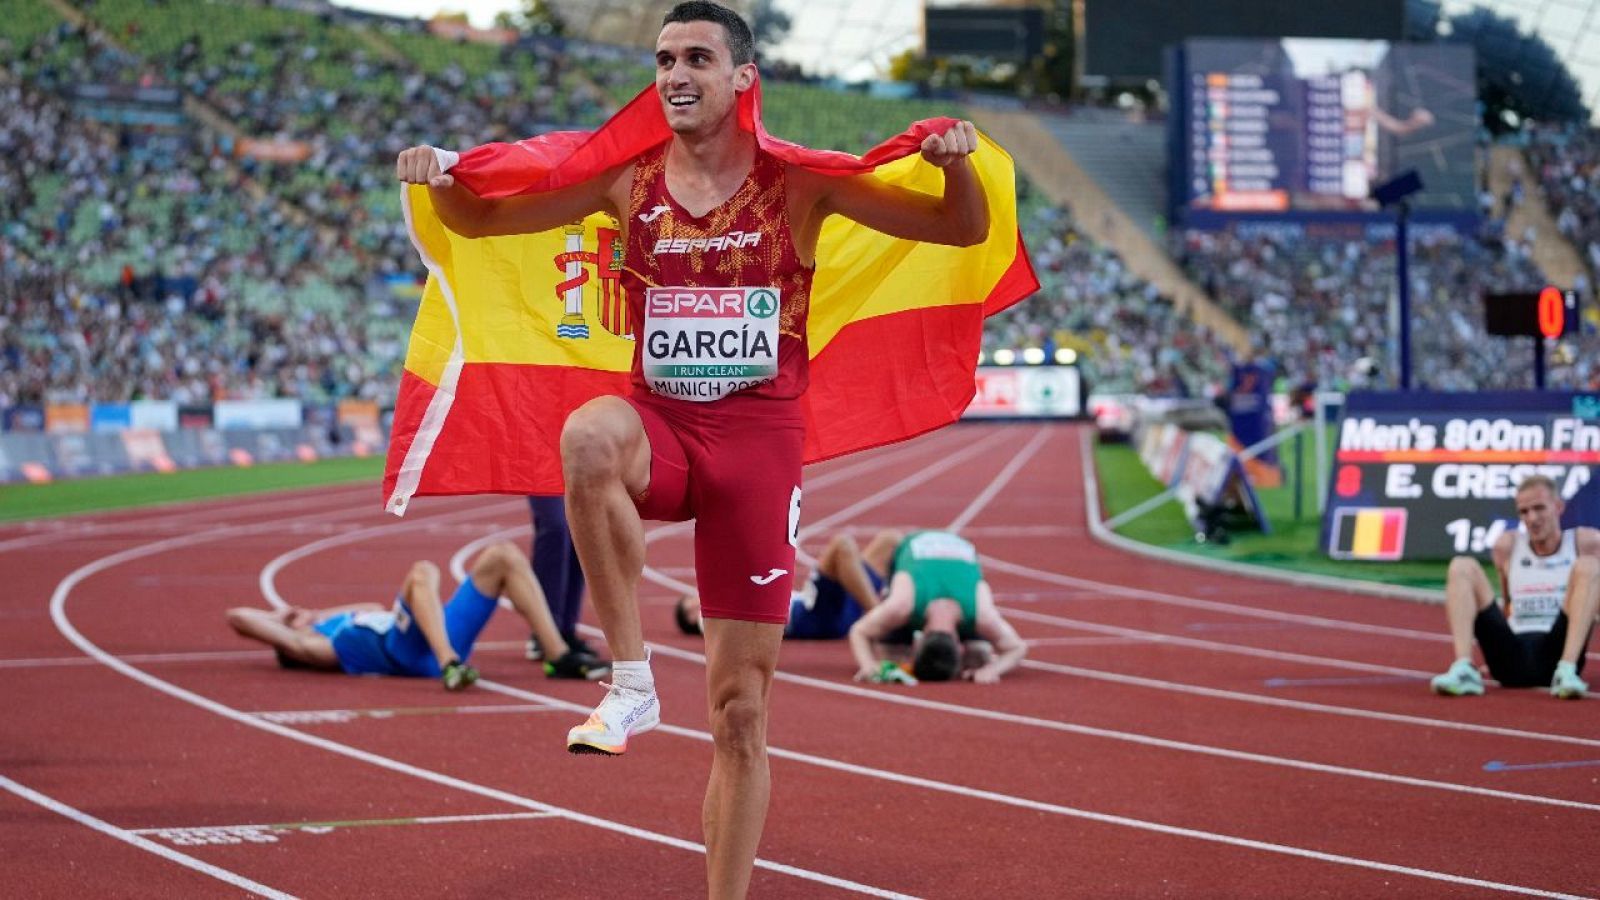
(695, 303)
(730, 241)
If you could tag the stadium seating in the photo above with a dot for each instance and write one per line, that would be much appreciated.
(184, 264)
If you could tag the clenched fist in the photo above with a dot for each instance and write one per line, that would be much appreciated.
(956, 144)
(425, 165)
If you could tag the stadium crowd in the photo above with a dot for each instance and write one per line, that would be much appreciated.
(1319, 306)
(185, 263)
(1566, 159)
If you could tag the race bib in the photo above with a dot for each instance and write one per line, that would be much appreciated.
(703, 344)
(374, 620)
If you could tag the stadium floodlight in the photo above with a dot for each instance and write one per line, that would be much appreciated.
(1066, 356)
(1005, 356)
(1033, 356)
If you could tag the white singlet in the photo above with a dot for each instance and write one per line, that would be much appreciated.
(1538, 584)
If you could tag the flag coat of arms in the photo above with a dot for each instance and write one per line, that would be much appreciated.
(515, 332)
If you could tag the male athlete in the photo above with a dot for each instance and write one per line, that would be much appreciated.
(1550, 590)
(938, 601)
(845, 582)
(418, 636)
(714, 226)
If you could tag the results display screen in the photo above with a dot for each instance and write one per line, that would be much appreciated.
(1419, 483)
(1304, 124)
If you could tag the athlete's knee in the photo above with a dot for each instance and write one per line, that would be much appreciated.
(1466, 569)
(739, 724)
(422, 572)
(596, 439)
(499, 559)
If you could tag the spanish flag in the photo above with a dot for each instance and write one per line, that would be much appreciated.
(515, 332)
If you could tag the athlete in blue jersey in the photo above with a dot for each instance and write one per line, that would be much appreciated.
(418, 636)
(845, 582)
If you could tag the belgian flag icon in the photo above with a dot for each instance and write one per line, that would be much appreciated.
(1368, 533)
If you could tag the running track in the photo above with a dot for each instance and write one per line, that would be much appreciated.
(1174, 732)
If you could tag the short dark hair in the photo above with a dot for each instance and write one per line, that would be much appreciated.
(938, 658)
(680, 614)
(741, 43)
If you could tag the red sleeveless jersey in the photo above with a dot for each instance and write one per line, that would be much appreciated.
(719, 302)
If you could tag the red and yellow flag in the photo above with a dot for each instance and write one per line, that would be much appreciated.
(516, 332)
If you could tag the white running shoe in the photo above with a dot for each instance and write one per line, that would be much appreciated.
(626, 711)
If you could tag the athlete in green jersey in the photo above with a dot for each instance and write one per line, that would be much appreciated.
(937, 600)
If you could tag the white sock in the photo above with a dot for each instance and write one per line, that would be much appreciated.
(634, 673)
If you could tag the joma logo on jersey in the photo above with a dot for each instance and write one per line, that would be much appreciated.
(730, 241)
(695, 304)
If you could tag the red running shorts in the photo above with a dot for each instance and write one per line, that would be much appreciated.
(733, 466)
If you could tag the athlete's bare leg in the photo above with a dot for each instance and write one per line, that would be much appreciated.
(421, 592)
(1466, 593)
(740, 660)
(880, 550)
(605, 459)
(1582, 602)
(841, 561)
(502, 571)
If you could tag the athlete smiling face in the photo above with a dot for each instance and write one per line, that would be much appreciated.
(699, 76)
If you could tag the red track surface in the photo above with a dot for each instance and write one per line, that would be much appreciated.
(1175, 732)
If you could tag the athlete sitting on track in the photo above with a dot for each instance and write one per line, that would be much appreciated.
(938, 601)
(845, 582)
(1550, 582)
(418, 636)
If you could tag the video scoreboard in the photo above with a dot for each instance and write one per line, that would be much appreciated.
(1308, 124)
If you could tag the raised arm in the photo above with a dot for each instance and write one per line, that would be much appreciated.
(472, 216)
(960, 217)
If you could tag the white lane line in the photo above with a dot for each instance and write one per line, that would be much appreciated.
(58, 615)
(126, 836)
(199, 656)
(1060, 810)
(1306, 705)
(1126, 737)
(998, 483)
(198, 835)
(1157, 637)
(342, 716)
(905, 484)
(1084, 642)
(269, 572)
(1133, 593)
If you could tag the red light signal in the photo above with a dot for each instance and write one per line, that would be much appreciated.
(1552, 312)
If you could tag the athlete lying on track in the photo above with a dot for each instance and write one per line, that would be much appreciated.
(418, 636)
(940, 607)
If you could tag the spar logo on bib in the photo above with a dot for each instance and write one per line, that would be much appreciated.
(703, 344)
(762, 303)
